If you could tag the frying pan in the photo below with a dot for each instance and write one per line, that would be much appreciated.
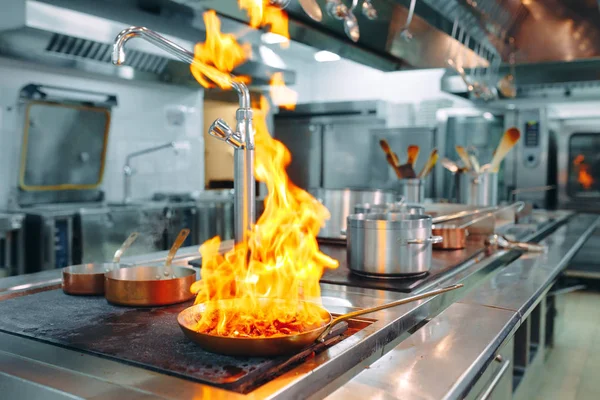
(151, 285)
(277, 345)
(88, 279)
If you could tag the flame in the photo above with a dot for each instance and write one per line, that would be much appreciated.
(584, 177)
(262, 14)
(283, 96)
(218, 56)
(281, 257)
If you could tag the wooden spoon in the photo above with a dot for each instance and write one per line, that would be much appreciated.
(508, 141)
(433, 157)
(413, 154)
(391, 157)
(464, 156)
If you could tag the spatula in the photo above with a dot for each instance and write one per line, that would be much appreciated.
(464, 156)
(433, 157)
(413, 154)
(508, 141)
(391, 157)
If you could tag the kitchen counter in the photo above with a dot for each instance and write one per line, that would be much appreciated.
(434, 348)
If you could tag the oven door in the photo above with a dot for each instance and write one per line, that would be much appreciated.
(579, 165)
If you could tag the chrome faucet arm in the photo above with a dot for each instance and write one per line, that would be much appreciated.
(242, 139)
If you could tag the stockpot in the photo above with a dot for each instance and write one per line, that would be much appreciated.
(390, 245)
(399, 207)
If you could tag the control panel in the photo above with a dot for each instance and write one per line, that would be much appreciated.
(531, 144)
(61, 243)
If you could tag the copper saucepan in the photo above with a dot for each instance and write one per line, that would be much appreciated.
(88, 279)
(151, 285)
(454, 237)
(277, 345)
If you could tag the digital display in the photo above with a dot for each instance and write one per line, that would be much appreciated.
(532, 134)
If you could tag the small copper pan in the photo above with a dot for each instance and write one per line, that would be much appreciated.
(454, 237)
(88, 279)
(151, 285)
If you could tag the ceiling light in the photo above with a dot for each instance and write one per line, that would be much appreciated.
(488, 115)
(272, 38)
(326, 56)
(271, 58)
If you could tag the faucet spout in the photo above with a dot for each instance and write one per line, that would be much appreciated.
(242, 139)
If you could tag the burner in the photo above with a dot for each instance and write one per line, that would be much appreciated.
(417, 275)
(145, 337)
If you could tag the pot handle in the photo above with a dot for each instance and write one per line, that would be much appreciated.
(433, 239)
(343, 232)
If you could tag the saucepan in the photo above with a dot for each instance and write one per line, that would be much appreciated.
(88, 279)
(277, 345)
(151, 285)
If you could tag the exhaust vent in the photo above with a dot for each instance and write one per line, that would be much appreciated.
(90, 50)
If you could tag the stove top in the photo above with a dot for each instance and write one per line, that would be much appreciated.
(145, 337)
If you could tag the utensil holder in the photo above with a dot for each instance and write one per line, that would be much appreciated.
(477, 189)
(413, 190)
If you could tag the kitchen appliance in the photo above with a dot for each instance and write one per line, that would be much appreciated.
(329, 141)
(11, 244)
(73, 124)
(477, 189)
(51, 238)
(390, 245)
(341, 203)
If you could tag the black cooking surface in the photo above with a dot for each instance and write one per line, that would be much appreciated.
(145, 337)
(441, 262)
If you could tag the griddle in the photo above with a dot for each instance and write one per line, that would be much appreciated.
(146, 337)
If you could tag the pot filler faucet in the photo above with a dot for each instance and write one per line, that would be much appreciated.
(128, 172)
(242, 139)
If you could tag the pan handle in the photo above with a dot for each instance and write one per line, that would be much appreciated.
(126, 244)
(433, 239)
(410, 299)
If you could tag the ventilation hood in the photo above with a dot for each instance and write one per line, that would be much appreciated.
(79, 34)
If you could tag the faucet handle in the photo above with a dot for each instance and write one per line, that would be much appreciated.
(222, 131)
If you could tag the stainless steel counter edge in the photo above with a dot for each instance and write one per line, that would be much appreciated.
(443, 358)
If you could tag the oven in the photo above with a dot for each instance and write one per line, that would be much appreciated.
(579, 164)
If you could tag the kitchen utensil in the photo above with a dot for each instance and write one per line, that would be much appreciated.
(88, 279)
(390, 245)
(351, 24)
(475, 163)
(431, 161)
(508, 141)
(280, 3)
(413, 154)
(278, 345)
(449, 165)
(336, 9)
(412, 190)
(341, 202)
(404, 32)
(183, 234)
(477, 189)
(464, 156)
(151, 285)
(369, 10)
(502, 242)
(393, 160)
(407, 171)
(312, 9)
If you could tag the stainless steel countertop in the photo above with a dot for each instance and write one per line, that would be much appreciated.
(446, 355)
(31, 365)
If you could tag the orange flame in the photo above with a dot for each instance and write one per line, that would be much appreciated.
(261, 14)
(584, 177)
(283, 96)
(281, 258)
(218, 56)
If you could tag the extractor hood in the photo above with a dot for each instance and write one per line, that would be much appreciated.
(79, 34)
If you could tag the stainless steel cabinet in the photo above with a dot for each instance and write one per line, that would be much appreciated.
(496, 381)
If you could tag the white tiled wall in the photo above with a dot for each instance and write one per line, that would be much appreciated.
(139, 121)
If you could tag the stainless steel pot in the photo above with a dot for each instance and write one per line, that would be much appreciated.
(477, 189)
(413, 190)
(368, 208)
(390, 245)
(341, 202)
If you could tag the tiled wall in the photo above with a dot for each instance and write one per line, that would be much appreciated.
(139, 121)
